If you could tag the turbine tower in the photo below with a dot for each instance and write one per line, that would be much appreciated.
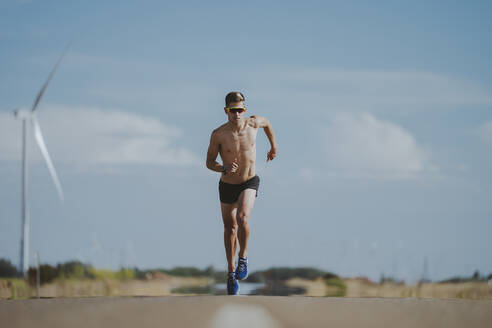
(25, 116)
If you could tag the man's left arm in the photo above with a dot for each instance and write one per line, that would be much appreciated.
(264, 123)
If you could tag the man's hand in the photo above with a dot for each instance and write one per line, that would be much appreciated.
(272, 154)
(231, 167)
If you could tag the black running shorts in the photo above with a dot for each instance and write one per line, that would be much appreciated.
(229, 193)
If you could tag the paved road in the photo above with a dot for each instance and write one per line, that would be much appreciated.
(244, 311)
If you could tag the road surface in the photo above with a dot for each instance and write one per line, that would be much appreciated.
(243, 311)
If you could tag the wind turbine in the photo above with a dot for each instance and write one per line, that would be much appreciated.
(25, 116)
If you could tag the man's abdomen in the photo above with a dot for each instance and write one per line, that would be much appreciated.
(244, 174)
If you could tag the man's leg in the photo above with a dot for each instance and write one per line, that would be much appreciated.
(246, 202)
(230, 232)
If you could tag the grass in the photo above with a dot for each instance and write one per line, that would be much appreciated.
(335, 287)
(102, 274)
(19, 288)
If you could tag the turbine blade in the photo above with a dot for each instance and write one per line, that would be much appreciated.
(39, 139)
(41, 92)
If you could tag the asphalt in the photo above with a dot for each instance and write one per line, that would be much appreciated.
(244, 311)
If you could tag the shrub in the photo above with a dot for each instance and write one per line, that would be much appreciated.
(180, 272)
(125, 274)
(185, 272)
(283, 273)
(68, 270)
(7, 269)
(389, 279)
(74, 270)
(336, 287)
(47, 274)
(122, 274)
(474, 277)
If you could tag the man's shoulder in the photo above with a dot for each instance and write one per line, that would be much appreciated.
(253, 121)
(221, 129)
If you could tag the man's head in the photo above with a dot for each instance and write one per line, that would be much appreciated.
(234, 108)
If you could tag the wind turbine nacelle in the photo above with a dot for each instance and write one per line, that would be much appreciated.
(23, 114)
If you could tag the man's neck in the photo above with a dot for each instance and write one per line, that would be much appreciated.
(238, 125)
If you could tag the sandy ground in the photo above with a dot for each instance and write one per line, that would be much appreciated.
(358, 287)
(361, 287)
(161, 286)
(164, 285)
(244, 311)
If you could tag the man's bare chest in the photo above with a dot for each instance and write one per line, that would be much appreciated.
(238, 142)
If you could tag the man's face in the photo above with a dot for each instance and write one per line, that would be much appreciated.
(235, 115)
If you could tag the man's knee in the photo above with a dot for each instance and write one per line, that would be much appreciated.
(230, 228)
(243, 218)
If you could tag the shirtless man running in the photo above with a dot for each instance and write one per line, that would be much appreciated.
(235, 141)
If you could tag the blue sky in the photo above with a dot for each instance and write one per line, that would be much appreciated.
(382, 112)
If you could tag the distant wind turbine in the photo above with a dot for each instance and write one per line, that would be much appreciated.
(30, 115)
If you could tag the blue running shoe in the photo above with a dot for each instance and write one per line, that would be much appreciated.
(232, 285)
(242, 269)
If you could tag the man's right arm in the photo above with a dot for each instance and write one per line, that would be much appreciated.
(213, 151)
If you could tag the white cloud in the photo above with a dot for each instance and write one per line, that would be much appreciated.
(370, 90)
(360, 145)
(91, 136)
(398, 86)
(484, 131)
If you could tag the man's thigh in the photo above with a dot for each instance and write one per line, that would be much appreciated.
(246, 202)
(229, 213)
